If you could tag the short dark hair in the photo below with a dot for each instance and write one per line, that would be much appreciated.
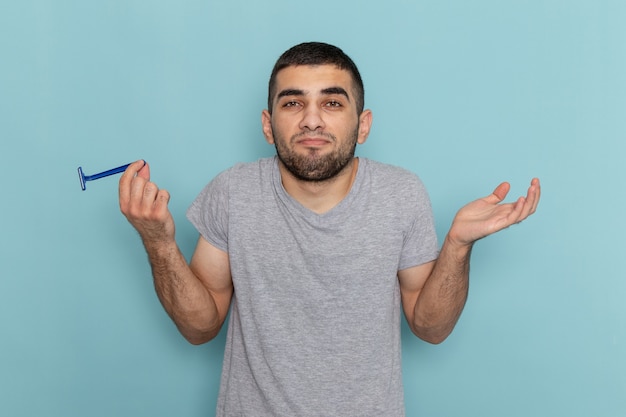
(317, 53)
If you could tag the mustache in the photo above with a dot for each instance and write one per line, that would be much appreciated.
(314, 133)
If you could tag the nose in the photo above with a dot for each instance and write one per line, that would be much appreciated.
(312, 119)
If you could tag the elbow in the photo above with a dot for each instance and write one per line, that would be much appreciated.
(197, 329)
(433, 328)
(434, 339)
(198, 340)
(198, 337)
(430, 335)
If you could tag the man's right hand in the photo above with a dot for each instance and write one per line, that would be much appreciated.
(145, 206)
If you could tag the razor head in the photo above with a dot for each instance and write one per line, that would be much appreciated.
(81, 177)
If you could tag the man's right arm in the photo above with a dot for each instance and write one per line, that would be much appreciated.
(197, 295)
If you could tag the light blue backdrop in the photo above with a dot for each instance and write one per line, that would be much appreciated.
(464, 93)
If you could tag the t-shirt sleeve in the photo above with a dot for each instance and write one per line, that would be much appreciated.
(209, 212)
(420, 242)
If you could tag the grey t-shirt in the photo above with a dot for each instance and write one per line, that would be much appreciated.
(314, 326)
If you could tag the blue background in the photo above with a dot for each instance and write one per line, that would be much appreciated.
(465, 93)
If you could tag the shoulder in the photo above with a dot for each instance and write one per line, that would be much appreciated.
(240, 177)
(394, 178)
(257, 168)
(244, 173)
(382, 168)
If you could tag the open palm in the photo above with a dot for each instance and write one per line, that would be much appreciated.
(489, 215)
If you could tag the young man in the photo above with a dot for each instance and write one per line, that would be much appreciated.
(315, 252)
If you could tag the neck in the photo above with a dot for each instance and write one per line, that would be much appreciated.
(320, 196)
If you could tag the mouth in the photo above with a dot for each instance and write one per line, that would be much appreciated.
(313, 139)
(312, 142)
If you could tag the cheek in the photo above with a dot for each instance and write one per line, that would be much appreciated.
(282, 127)
(277, 130)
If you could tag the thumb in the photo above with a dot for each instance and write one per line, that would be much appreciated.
(501, 191)
(144, 172)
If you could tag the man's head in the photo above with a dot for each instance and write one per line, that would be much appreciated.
(315, 117)
(314, 54)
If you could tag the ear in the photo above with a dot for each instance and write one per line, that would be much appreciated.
(266, 122)
(365, 124)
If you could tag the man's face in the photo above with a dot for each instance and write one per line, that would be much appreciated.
(314, 123)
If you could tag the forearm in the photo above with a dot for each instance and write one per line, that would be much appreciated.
(434, 305)
(441, 300)
(183, 296)
(187, 296)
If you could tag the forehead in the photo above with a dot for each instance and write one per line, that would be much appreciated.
(313, 78)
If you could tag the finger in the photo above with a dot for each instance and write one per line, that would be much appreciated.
(132, 170)
(520, 210)
(161, 201)
(532, 199)
(501, 191)
(149, 193)
(535, 183)
(135, 193)
(144, 172)
(126, 179)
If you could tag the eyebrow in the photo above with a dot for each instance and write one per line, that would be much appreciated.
(336, 90)
(290, 92)
(326, 91)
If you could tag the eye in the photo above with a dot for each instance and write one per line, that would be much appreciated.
(290, 103)
(333, 103)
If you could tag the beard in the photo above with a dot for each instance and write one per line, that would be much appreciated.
(312, 166)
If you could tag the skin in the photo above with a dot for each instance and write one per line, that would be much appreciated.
(314, 125)
(314, 116)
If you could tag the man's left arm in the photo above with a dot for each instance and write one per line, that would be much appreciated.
(434, 294)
